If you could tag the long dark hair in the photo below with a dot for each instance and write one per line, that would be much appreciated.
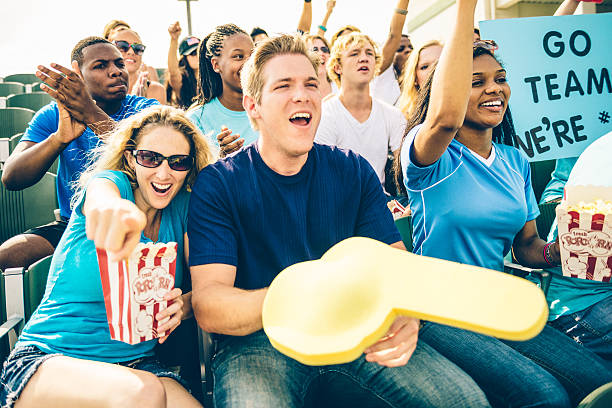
(210, 84)
(183, 97)
(503, 133)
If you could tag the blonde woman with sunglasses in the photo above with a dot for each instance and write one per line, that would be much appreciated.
(129, 43)
(136, 191)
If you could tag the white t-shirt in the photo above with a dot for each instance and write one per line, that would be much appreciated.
(372, 139)
(386, 86)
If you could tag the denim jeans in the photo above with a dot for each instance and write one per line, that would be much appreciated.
(249, 372)
(591, 327)
(509, 378)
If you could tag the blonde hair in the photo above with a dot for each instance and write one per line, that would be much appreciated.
(341, 31)
(113, 25)
(342, 45)
(408, 97)
(110, 154)
(252, 78)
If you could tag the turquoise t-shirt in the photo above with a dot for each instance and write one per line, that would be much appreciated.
(569, 295)
(467, 209)
(71, 318)
(210, 117)
(554, 188)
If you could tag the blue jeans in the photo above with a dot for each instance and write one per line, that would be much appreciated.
(591, 327)
(510, 379)
(248, 371)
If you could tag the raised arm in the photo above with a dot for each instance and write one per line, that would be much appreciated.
(305, 18)
(567, 8)
(174, 73)
(219, 307)
(113, 223)
(450, 89)
(30, 160)
(323, 27)
(395, 34)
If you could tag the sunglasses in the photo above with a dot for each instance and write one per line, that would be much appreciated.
(124, 46)
(193, 53)
(489, 45)
(150, 159)
(323, 49)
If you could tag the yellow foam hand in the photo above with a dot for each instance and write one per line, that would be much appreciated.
(328, 311)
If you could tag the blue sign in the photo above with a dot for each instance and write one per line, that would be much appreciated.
(560, 73)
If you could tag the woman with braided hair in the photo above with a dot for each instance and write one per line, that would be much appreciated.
(219, 112)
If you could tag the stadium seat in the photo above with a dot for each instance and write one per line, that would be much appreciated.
(24, 209)
(22, 78)
(14, 140)
(404, 226)
(34, 100)
(5, 150)
(22, 291)
(600, 398)
(546, 218)
(14, 120)
(540, 176)
(11, 88)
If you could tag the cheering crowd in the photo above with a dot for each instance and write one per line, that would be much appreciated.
(257, 151)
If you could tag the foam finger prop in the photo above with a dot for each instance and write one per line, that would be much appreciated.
(328, 311)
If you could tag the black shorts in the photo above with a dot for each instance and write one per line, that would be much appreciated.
(52, 232)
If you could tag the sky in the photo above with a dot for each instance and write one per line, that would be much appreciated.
(41, 32)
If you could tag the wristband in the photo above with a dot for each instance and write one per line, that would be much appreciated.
(306, 1)
(403, 12)
(547, 255)
(322, 27)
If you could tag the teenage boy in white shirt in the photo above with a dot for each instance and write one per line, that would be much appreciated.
(353, 119)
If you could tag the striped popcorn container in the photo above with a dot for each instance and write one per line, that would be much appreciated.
(585, 232)
(134, 290)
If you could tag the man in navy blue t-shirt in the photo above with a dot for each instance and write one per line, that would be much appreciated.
(284, 200)
(89, 99)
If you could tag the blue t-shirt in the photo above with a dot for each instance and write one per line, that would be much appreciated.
(71, 318)
(75, 158)
(243, 213)
(210, 117)
(568, 295)
(465, 208)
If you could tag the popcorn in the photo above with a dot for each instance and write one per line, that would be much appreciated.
(397, 210)
(585, 232)
(134, 290)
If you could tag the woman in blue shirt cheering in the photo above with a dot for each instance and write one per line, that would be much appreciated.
(136, 191)
(472, 201)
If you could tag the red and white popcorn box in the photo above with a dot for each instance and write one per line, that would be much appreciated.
(134, 290)
(585, 232)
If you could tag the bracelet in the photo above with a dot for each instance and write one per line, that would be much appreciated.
(322, 27)
(401, 11)
(547, 255)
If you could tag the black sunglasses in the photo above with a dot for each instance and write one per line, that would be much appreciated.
(124, 46)
(193, 53)
(322, 49)
(150, 159)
